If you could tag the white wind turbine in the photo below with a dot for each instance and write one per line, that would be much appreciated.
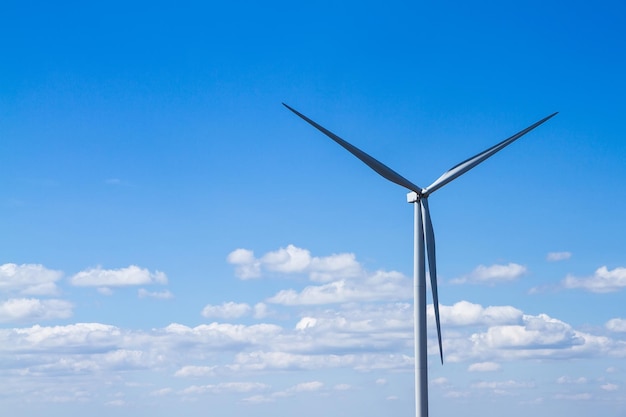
(424, 242)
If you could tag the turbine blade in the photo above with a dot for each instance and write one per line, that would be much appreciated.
(470, 163)
(432, 266)
(376, 165)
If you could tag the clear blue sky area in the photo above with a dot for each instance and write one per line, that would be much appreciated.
(173, 240)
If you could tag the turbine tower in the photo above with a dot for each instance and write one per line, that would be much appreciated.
(424, 243)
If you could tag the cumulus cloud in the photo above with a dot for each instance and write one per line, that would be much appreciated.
(161, 392)
(316, 357)
(493, 274)
(558, 256)
(132, 275)
(261, 311)
(32, 309)
(83, 336)
(247, 266)
(381, 285)
(258, 399)
(484, 367)
(287, 260)
(227, 310)
(465, 313)
(609, 387)
(307, 386)
(195, 371)
(294, 260)
(535, 337)
(225, 387)
(364, 338)
(28, 279)
(616, 325)
(536, 332)
(441, 381)
(502, 384)
(456, 394)
(569, 380)
(221, 336)
(602, 281)
(262, 361)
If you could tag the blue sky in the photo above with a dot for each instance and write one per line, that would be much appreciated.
(172, 238)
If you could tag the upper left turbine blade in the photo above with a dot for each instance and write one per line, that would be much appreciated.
(376, 165)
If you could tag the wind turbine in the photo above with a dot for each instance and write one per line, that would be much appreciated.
(424, 243)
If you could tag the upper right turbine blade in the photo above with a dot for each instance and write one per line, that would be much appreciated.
(470, 163)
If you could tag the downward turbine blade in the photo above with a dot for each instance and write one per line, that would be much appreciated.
(470, 163)
(376, 165)
(429, 236)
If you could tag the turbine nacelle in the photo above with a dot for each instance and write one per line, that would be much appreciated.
(414, 197)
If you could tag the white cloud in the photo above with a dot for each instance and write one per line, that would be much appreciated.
(335, 266)
(161, 392)
(247, 266)
(306, 322)
(441, 381)
(558, 256)
(85, 336)
(32, 309)
(360, 337)
(484, 367)
(602, 281)
(456, 394)
(609, 387)
(161, 295)
(221, 336)
(307, 387)
(28, 279)
(510, 384)
(287, 260)
(294, 260)
(616, 325)
(261, 361)
(354, 336)
(195, 371)
(381, 285)
(126, 359)
(227, 310)
(225, 387)
(465, 313)
(132, 275)
(261, 311)
(258, 399)
(537, 331)
(570, 380)
(492, 274)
